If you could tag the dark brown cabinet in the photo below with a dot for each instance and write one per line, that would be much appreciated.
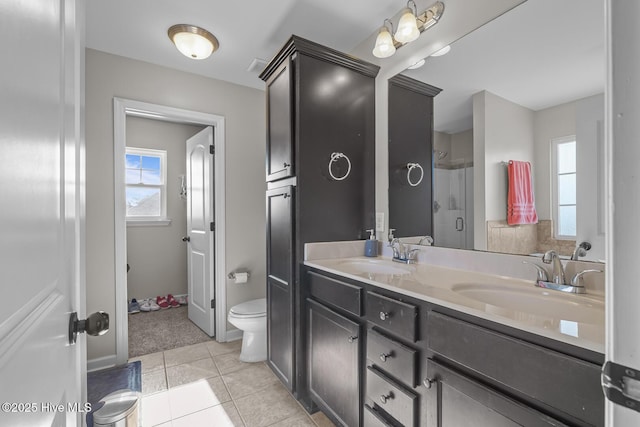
(410, 156)
(334, 364)
(320, 141)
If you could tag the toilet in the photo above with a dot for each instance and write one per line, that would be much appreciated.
(251, 318)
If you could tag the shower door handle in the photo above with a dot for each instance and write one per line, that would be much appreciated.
(459, 224)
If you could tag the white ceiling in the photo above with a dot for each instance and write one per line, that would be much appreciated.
(542, 53)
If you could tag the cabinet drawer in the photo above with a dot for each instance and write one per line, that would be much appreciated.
(395, 316)
(373, 419)
(340, 294)
(571, 385)
(400, 403)
(392, 357)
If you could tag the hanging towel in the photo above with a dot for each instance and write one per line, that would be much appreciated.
(521, 208)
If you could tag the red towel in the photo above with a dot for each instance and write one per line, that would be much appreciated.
(521, 208)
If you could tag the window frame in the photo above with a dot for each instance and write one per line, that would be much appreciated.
(152, 220)
(555, 203)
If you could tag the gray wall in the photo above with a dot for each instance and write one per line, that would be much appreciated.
(109, 76)
(156, 254)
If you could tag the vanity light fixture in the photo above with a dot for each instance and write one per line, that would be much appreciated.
(442, 51)
(410, 25)
(384, 47)
(192, 41)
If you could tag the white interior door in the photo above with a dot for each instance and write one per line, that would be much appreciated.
(41, 219)
(200, 234)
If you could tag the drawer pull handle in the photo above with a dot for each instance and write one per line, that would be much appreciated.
(352, 338)
(385, 356)
(428, 382)
(385, 398)
(384, 316)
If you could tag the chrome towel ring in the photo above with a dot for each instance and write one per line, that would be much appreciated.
(334, 158)
(410, 167)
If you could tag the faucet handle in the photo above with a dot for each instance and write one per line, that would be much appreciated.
(577, 278)
(542, 273)
(411, 255)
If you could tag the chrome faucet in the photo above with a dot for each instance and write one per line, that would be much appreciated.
(557, 274)
(400, 253)
(580, 250)
(427, 239)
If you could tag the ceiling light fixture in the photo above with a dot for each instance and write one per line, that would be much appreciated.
(442, 51)
(193, 42)
(410, 25)
(384, 47)
(417, 65)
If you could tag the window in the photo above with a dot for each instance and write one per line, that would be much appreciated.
(146, 185)
(564, 187)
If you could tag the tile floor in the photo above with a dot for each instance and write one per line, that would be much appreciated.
(206, 385)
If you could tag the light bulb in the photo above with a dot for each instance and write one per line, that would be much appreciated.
(384, 47)
(407, 27)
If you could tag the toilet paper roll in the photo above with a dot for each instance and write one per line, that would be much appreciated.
(242, 277)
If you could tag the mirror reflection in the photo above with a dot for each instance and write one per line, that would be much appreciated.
(526, 87)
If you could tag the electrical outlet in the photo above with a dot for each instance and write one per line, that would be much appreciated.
(380, 221)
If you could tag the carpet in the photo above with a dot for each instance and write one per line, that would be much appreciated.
(101, 383)
(153, 331)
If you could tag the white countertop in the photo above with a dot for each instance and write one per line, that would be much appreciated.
(569, 318)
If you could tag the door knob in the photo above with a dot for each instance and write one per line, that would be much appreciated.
(186, 239)
(95, 325)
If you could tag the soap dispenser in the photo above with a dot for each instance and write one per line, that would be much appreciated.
(371, 244)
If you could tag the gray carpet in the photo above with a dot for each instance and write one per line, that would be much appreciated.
(150, 332)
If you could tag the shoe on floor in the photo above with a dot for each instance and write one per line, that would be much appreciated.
(134, 307)
(145, 305)
(172, 301)
(162, 302)
(182, 300)
(152, 305)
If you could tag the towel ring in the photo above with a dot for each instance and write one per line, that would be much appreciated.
(410, 167)
(334, 158)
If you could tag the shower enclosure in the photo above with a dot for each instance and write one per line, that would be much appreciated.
(452, 202)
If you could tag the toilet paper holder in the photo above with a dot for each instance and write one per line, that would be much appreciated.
(234, 274)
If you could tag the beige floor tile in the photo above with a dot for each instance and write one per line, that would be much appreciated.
(155, 409)
(150, 362)
(321, 420)
(190, 353)
(230, 362)
(246, 381)
(219, 388)
(154, 382)
(190, 372)
(190, 398)
(297, 421)
(267, 407)
(218, 348)
(217, 416)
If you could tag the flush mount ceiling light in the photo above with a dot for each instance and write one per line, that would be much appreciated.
(410, 25)
(417, 65)
(193, 42)
(442, 51)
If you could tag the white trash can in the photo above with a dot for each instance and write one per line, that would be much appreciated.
(120, 409)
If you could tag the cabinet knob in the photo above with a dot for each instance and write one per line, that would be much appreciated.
(386, 397)
(286, 165)
(428, 382)
(352, 338)
(186, 239)
(384, 315)
(384, 356)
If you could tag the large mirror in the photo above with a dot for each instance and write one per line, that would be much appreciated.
(528, 86)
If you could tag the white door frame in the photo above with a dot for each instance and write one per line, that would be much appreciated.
(126, 107)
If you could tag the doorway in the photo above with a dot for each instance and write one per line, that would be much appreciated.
(123, 109)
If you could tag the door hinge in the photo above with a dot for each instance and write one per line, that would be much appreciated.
(212, 149)
(621, 385)
(213, 226)
(213, 303)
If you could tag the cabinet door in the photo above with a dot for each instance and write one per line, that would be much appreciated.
(280, 123)
(457, 401)
(334, 364)
(279, 283)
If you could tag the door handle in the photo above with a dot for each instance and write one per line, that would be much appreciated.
(97, 324)
(459, 224)
(186, 239)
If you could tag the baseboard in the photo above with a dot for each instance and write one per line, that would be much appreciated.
(101, 363)
(234, 335)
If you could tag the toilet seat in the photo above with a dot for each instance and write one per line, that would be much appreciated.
(250, 309)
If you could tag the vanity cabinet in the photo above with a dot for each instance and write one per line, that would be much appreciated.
(321, 143)
(410, 143)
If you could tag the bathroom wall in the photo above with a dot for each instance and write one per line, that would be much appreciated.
(244, 111)
(156, 254)
(462, 146)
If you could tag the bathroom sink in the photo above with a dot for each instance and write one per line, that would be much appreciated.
(542, 302)
(374, 267)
